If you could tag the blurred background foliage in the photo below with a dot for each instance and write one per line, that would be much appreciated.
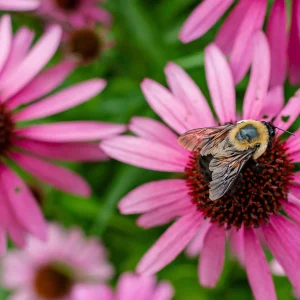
(145, 34)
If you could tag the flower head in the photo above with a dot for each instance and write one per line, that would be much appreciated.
(129, 287)
(253, 210)
(235, 35)
(25, 96)
(19, 5)
(53, 269)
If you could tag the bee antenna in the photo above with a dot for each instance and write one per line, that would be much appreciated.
(285, 130)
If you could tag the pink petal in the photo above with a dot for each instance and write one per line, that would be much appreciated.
(185, 89)
(273, 102)
(170, 244)
(204, 16)
(259, 78)
(293, 142)
(228, 32)
(145, 154)
(276, 268)
(292, 210)
(21, 5)
(283, 240)
(167, 107)
(212, 256)
(63, 151)
(153, 195)
(236, 239)
(294, 45)
(42, 84)
(62, 101)
(277, 36)
(31, 66)
(59, 177)
(257, 268)
(288, 114)
(23, 204)
(99, 15)
(220, 84)
(163, 291)
(153, 130)
(77, 131)
(243, 46)
(5, 39)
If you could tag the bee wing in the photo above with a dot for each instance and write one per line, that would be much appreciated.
(225, 168)
(207, 139)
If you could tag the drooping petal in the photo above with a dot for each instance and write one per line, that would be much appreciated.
(153, 195)
(277, 36)
(19, 5)
(185, 89)
(273, 102)
(57, 176)
(283, 239)
(145, 154)
(220, 84)
(153, 130)
(259, 78)
(25, 207)
(203, 18)
(170, 244)
(5, 39)
(257, 268)
(63, 151)
(276, 268)
(212, 256)
(42, 84)
(293, 142)
(163, 291)
(31, 66)
(242, 49)
(3, 241)
(236, 239)
(167, 107)
(77, 131)
(292, 210)
(62, 101)
(288, 114)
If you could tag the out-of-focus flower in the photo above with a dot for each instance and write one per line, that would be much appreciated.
(235, 36)
(19, 5)
(32, 146)
(77, 13)
(53, 269)
(201, 223)
(129, 287)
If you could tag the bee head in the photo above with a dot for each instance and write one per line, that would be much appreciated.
(271, 130)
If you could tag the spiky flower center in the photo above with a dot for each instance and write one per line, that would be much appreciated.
(85, 44)
(256, 196)
(52, 283)
(6, 129)
(68, 5)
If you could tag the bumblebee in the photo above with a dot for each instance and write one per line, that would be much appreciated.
(224, 150)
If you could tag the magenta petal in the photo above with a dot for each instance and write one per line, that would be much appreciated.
(2, 241)
(283, 239)
(5, 39)
(220, 84)
(204, 16)
(77, 131)
(277, 36)
(153, 195)
(293, 142)
(288, 114)
(259, 78)
(99, 14)
(63, 151)
(19, 5)
(145, 154)
(212, 256)
(57, 176)
(170, 244)
(62, 101)
(163, 291)
(257, 268)
(167, 106)
(186, 90)
(153, 130)
(292, 210)
(273, 102)
(23, 204)
(42, 84)
(236, 239)
(241, 54)
(31, 66)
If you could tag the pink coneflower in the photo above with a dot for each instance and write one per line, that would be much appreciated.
(201, 223)
(53, 269)
(129, 287)
(32, 147)
(19, 5)
(77, 13)
(235, 36)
